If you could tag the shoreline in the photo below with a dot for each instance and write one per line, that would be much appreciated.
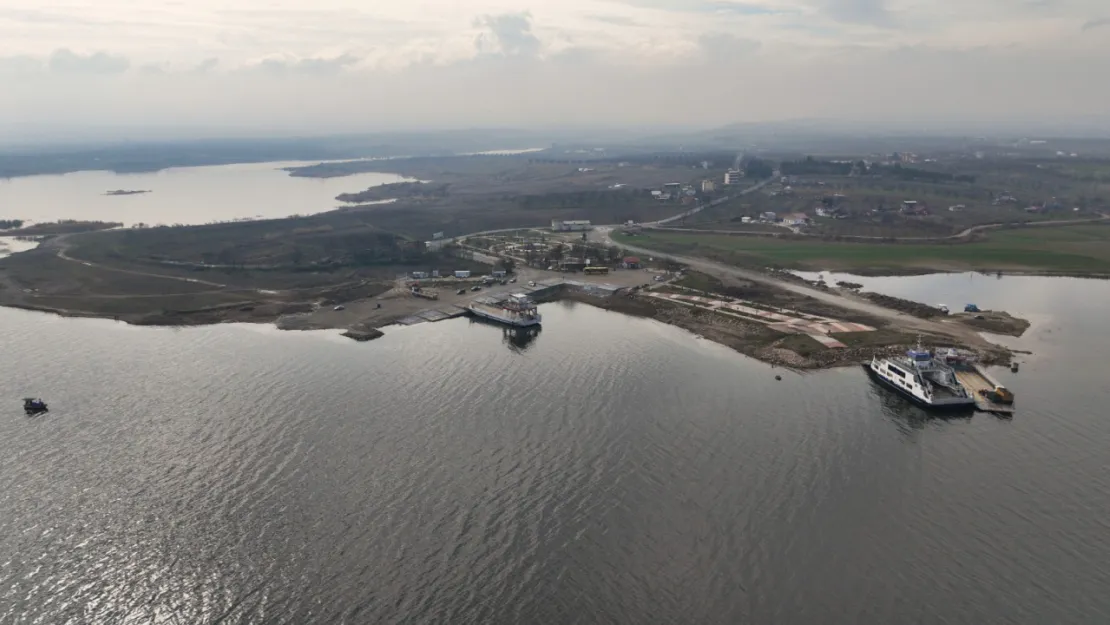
(793, 351)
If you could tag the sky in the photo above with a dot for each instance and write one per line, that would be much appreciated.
(365, 65)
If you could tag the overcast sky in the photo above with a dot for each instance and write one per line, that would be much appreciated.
(328, 65)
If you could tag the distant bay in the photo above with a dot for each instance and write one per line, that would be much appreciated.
(181, 195)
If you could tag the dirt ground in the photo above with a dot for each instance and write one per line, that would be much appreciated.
(398, 303)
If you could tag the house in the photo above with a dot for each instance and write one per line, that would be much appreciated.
(572, 264)
(437, 244)
(831, 213)
(913, 207)
(631, 262)
(581, 225)
(499, 273)
(419, 275)
(769, 216)
(462, 275)
(796, 219)
(708, 186)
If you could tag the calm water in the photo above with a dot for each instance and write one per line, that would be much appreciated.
(611, 470)
(187, 195)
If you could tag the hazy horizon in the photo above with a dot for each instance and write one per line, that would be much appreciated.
(106, 68)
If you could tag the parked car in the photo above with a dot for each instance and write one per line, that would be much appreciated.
(476, 288)
(460, 292)
(531, 283)
(340, 307)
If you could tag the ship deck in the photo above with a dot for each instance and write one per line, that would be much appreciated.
(974, 380)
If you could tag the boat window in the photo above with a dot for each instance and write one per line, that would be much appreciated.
(896, 371)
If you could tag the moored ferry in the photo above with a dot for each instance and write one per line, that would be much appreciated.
(518, 310)
(922, 379)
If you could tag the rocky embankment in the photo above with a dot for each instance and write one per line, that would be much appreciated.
(994, 322)
(917, 309)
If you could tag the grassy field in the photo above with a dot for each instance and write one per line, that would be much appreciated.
(1082, 249)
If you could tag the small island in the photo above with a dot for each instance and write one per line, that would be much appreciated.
(127, 192)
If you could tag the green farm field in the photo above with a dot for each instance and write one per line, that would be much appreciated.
(1080, 249)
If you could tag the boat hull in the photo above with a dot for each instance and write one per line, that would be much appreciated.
(506, 320)
(959, 406)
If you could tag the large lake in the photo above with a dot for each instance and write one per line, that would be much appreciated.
(609, 470)
(185, 195)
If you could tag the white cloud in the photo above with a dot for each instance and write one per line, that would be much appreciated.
(66, 61)
(360, 63)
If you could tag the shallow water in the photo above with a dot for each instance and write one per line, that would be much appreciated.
(180, 195)
(610, 469)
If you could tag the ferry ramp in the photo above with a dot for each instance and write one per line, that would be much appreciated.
(975, 380)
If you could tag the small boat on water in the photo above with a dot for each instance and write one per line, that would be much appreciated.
(32, 405)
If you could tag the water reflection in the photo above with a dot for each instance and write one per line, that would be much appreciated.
(516, 339)
(908, 416)
(520, 339)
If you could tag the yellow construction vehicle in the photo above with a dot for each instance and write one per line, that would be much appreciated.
(998, 395)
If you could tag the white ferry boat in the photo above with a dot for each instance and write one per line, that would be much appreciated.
(517, 311)
(922, 379)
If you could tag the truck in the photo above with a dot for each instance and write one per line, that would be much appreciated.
(998, 395)
(971, 308)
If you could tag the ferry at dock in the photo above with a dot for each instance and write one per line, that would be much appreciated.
(922, 379)
(518, 311)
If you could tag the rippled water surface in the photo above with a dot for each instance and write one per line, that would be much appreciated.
(185, 195)
(608, 470)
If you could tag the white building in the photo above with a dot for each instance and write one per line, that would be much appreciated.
(795, 219)
(708, 186)
(733, 177)
(570, 226)
(461, 274)
(437, 244)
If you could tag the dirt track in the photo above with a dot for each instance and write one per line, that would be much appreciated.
(902, 320)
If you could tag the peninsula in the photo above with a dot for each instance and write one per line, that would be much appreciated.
(723, 236)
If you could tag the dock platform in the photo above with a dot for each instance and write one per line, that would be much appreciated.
(974, 380)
